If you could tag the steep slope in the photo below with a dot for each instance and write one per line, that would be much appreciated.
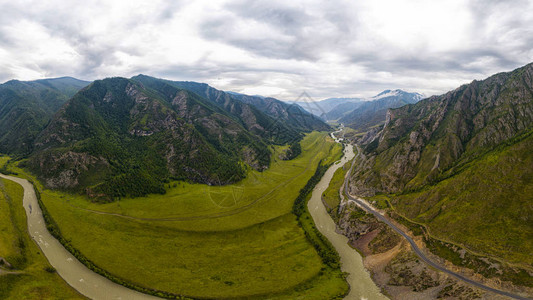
(322, 107)
(119, 137)
(26, 107)
(253, 119)
(373, 112)
(462, 164)
(222, 129)
(291, 114)
(342, 110)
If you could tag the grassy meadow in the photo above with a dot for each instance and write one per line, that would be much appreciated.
(197, 240)
(31, 276)
(331, 196)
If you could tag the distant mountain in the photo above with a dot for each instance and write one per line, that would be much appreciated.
(322, 107)
(357, 112)
(27, 106)
(292, 114)
(372, 113)
(461, 163)
(342, 110)
(408, 97)
(66, 85)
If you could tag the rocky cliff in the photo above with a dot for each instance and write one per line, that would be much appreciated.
(121, 137)
(461, 164)
(424, 142)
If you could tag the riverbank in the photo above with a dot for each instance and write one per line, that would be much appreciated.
(361, 284)
(68, 267)
(260, 251)
(24, 271)
(394, 266)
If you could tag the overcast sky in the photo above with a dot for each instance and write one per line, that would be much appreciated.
(274, 48)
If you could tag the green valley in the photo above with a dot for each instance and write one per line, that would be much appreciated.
(198, 240)
(295, 150)
(28, 275)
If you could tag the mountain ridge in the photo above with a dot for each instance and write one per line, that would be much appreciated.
(371, 114)
(121, 137)
(134, 133)
(460, 160)
(27, 106)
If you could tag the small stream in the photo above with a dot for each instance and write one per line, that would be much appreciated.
(361, 285)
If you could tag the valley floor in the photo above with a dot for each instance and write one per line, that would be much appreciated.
(24, 271)
(208, 241)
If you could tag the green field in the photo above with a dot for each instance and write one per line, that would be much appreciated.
(331, 196)
(230, 241)
(31, 276)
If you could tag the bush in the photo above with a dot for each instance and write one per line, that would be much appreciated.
(325, 249)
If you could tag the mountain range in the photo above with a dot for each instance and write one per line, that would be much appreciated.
(461, 164)
(117, 136)
(26, 108)
(360, 114)
(372, 112)
(323, 107)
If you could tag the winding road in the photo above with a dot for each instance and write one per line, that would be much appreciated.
(95, 286)
(416, 249)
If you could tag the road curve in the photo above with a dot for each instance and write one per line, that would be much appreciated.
(77, 275)
(417, 250)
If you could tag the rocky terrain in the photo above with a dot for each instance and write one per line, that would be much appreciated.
(127, 137)
(393, 265)
(292, 114)
(117, 137)
(273, 120)
(422, 143)
(458, 167)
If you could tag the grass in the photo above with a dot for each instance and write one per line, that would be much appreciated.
(230, 241)
(491, 198)
(331, 195)
(34, 278)
(485, 266)
(483, 207)
(3, 160)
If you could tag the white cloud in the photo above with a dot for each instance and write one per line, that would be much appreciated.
(276, 48)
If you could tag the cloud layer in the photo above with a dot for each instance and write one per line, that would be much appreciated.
(274, 48)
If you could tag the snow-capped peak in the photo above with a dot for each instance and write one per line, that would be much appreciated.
(397, 93)
(419, 96)
(386, 93)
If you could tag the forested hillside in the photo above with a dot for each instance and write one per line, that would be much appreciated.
(27, 106)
